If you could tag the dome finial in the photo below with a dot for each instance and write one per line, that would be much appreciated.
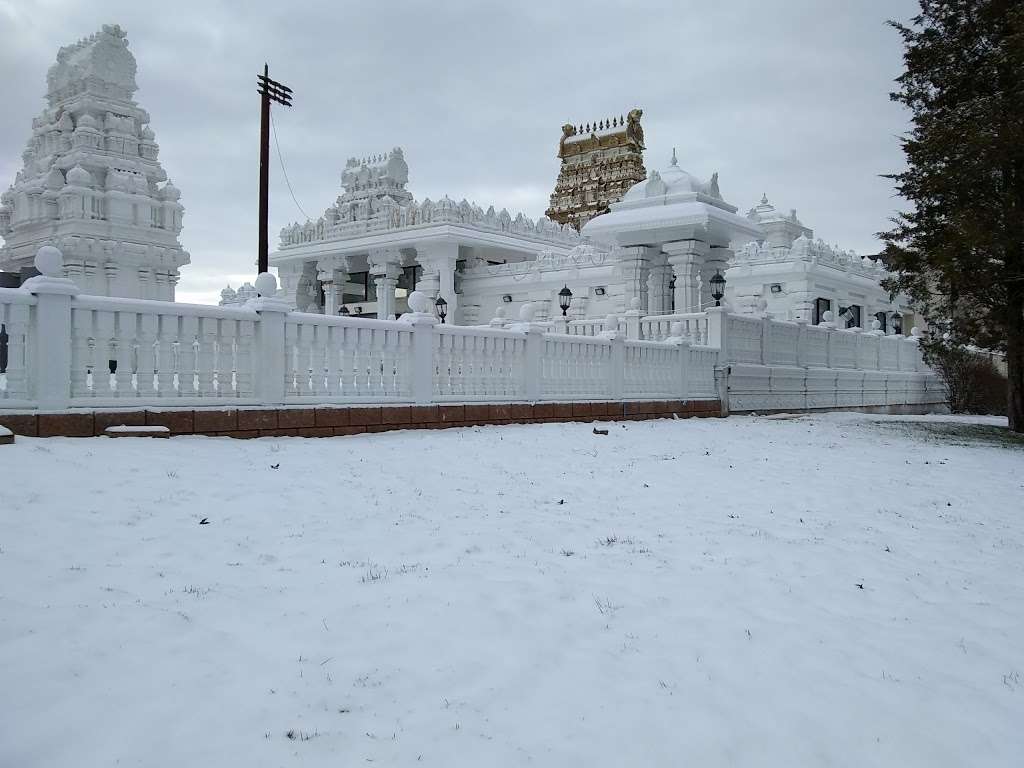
(674, 161)
(764, 199)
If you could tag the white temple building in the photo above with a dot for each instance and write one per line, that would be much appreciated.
(655, 251)
(92, 184)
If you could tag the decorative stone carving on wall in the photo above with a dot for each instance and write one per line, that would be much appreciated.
(600, 162)
(375, 199)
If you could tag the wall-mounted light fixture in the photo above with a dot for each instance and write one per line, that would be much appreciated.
(776, 288)
(599, 291)
(507, 299)
(359, 310)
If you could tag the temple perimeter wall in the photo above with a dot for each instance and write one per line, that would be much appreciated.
(69, 358)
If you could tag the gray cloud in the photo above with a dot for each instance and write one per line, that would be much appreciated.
(788, 98)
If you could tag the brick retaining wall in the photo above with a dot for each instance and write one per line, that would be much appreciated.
(332, 421)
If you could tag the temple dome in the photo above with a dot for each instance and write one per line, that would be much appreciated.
(54, 179)
(147, 134)
(668, 182)
(169, 191)
(678, 181)
(79, 177)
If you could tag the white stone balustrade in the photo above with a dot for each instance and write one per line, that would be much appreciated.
(15, 343)
(63, 350)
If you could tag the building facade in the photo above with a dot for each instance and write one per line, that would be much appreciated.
(92, 183)
(654, 251)
(376, 244)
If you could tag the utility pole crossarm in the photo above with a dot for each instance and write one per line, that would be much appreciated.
(269, 90)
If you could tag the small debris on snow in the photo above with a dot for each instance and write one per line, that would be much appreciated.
(600, 431)
(204, 521)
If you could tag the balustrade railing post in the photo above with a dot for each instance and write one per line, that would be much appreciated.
(531, 364)
(633, 319)
(51, 347)
(801, 343)
(618, 367)
(718, 321)
(268, 353)
(423, 324)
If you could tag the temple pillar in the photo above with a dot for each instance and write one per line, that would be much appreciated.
(633, 267)
(327, 274)
(439, 261)
(385, 268)
(659, 275)
(686, 258)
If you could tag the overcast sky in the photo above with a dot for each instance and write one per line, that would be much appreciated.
(788, 97)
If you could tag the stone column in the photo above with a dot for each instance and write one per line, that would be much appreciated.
(173, 276)
(633, 266)
(438, 261)
(325, 275)
(658, 277)
(385, 268)
(686, 258)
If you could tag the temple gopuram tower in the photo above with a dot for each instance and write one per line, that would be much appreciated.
(91, 182)
(600, 162)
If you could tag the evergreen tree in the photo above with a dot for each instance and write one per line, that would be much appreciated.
(959, 253)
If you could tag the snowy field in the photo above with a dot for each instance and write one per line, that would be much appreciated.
(832, 590)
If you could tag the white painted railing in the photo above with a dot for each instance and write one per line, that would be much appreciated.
(60, 350)
(16, 341)
(659, 327)
(334, 359)
(124, 350)
(578, 368)
(103, 352)
(653, 369)
(476, 364)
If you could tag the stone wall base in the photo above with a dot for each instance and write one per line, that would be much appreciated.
(917, 409)
(334, 421)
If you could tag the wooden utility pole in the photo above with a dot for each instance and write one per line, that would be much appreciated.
(269, 90)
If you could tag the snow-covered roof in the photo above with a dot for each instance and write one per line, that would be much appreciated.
(671, 204)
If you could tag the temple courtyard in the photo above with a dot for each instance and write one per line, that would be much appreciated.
(834, 589)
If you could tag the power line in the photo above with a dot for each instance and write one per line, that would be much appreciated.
(280, 159)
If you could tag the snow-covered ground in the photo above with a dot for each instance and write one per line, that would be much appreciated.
(830, 590)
